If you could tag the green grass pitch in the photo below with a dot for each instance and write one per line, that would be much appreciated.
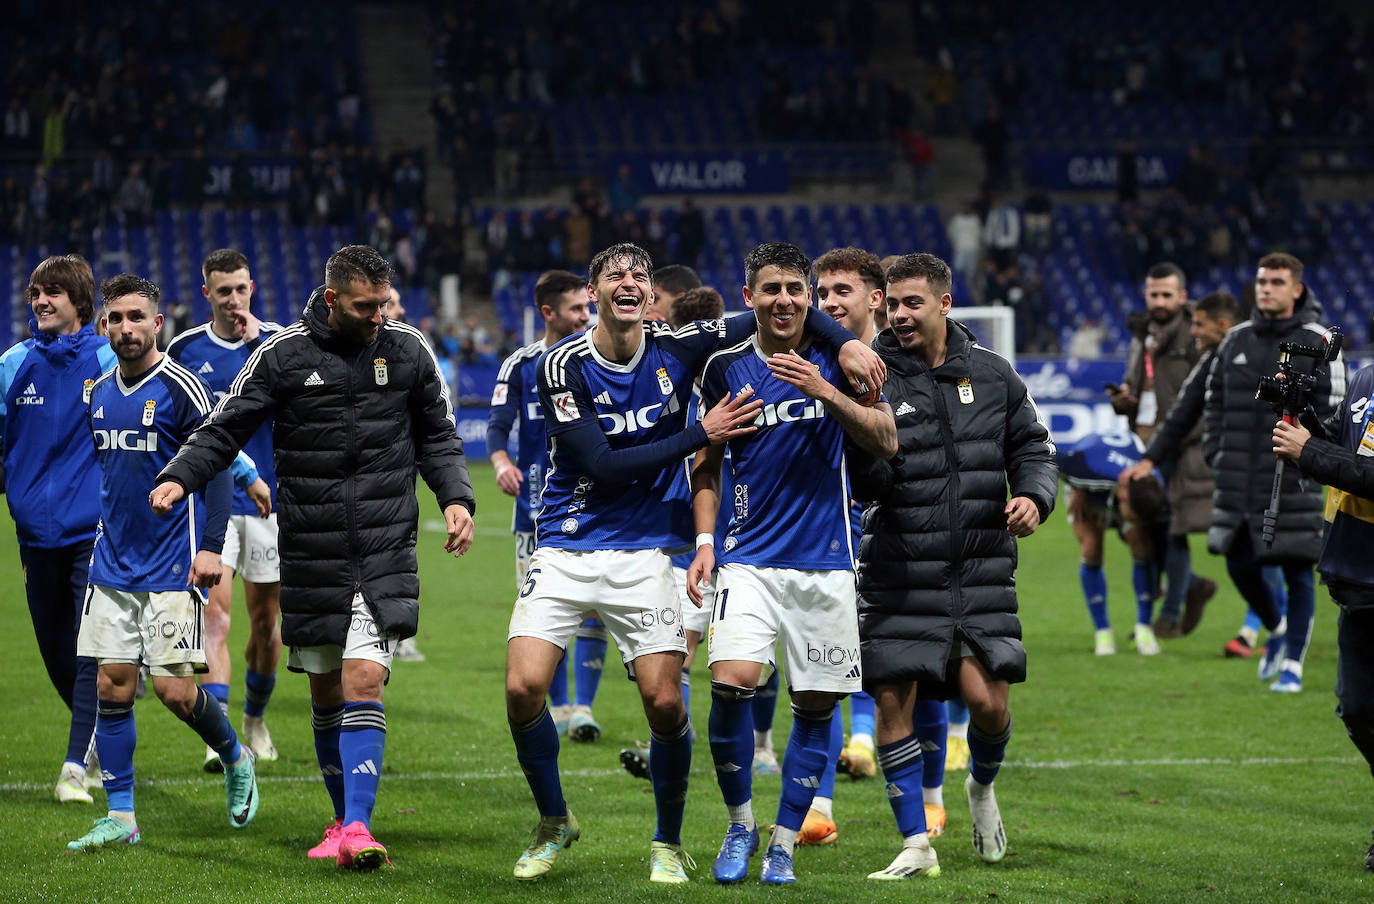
(1173, 778)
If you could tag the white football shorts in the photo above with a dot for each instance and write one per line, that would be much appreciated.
(250, 548)
(163, 629)
(813, 614)
(630, 589)
(365, 641)
(693, 618)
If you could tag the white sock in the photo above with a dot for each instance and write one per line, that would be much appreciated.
(958, 730)
(824, 806)
(126, 818)
(1249, 635)
(743, 814)
(935, 796)
(1292, 665)
(785, 837)
(861, 738)
(919, 840)
(763, 740)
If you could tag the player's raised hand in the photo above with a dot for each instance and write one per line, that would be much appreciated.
(509, 479)
(1023, 517)
(261, 494)
(731, 417)
(865, 369)
(460, 530)
(699, 572)
(791, 367)
(165, 495)
(206, 569)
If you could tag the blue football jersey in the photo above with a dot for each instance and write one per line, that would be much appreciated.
(137, 430)
(789, 494)
(634, 403)
(1097, 460)
(684, 488)
(515, 400)
(218, 361)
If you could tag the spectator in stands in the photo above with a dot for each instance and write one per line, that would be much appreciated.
(965, 237)
(1197, 179)
(1002, 232)
(624, 192)
(691, 233)
(408, 185)
(1086, 342)
(1036, 213)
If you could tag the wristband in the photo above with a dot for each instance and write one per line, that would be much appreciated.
(705, 540)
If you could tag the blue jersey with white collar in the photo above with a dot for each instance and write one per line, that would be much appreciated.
(516, 400)
(218, 361)
(788, 495)
(137, 430)
(1097, 460)
(634, 403)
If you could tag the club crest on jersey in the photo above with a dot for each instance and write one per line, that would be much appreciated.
(149, 408)
(664, 383)
(379, 371)
(86, 391)
(965, 391)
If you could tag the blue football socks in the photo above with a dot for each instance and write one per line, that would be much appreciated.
(257, 692)
(325, 722)
(1095, 593)
(589, 661)
(209, 721)
(116, 736)
(902, 770)
(362, 740)
(670, 763)
(808, 751)
(536, 749)
(986, 752)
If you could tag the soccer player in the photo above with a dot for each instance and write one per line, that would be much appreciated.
(358, 405)
(1091, 468)
(615, 400)
(144, 602)
(216, 351)
(937, 591)
(48, 456)
(787, 562)
(406, 649)
(670, 284)
(561, 298)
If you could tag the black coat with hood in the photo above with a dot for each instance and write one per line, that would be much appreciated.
(1237, 436)
(352, 422)
(936, 556)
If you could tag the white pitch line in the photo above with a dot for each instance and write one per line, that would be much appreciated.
(603, 773)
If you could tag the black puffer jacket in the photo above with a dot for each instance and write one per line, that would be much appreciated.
(1236, 437)
(351, 424)
(935, 553)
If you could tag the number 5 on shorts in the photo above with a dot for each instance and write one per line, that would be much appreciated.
(528, 588)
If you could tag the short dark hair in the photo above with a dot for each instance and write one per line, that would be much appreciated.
(925, 266)
(554, 284)
(130, 284)
(701, 303)
(783, 255)
(223, 260)
(677, 278)
(1281, 261)
(636, 255)
(1219, 305)
(72, 273)
(1146, 495)
(1166, 269)
(356, 263)
(851, 259)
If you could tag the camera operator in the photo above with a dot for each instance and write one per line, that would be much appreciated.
(1345, 462)
(1235, 434)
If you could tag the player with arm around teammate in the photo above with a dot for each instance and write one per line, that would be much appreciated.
(144, 601)
(615, 400)
(786, 563)
(358, 407)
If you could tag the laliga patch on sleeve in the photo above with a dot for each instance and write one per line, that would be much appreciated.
(565, 407)
(498, 395)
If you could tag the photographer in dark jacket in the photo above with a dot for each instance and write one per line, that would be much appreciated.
(358, 404)
(937, 563)
(1235, 438)
(1340, 454)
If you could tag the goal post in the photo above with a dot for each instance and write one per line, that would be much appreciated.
(994, 325)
